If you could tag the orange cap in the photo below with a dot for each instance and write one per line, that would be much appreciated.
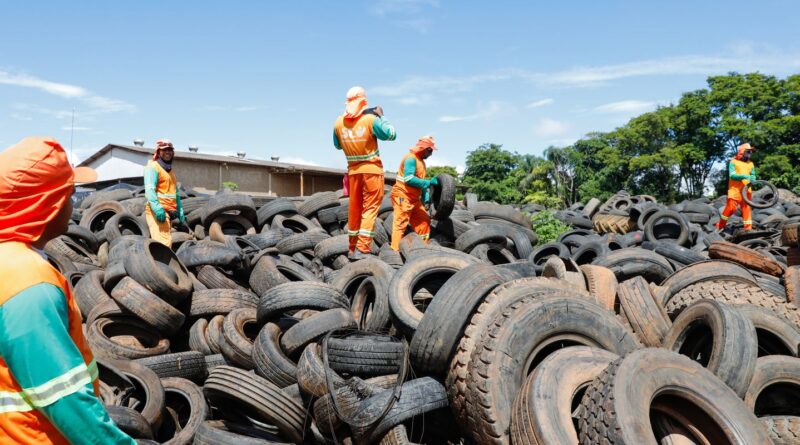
(36, 180)
(423, 144)
(161, 144)
(356, 102)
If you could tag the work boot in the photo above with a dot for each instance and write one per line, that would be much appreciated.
(357, 255)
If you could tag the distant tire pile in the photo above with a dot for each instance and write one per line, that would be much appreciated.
(641, 325)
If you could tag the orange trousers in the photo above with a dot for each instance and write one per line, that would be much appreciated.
(159, 231)
(366, 194)
(408, 212)
(730, 209)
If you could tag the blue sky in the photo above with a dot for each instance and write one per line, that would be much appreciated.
(269, 78)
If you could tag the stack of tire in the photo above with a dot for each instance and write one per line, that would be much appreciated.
(256, 328)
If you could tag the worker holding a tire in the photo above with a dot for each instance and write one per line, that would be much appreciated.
(161, 190)
(49, 388)
(741, 172)
(356, 132)
(411, 192)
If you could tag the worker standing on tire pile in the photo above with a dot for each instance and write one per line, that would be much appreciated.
(49, 392)
(161, 190)
(411, 192)
(741, 172)
(356, 132)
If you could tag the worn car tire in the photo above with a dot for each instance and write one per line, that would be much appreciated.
(719, 338)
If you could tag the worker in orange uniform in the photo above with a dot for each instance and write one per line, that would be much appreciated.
(411, 192)
(161, 190)
(741, 172)
(356, 132)
(49, 388)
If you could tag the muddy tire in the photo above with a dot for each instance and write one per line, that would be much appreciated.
(143, 266)
(720, 339)
(647, 318)
(237, 346)
(147, 306)
(749, 258)
(542, 411)
(518, 340)
(602, 283)
(630, 262)
(775, 388)
(732, 292)
(365, 355)
(440, 328)
(775, 335)
(207, 303)
(89, 292)
(783, 430)
(612, 407)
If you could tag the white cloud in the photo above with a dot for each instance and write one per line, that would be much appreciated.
(540, 103)
(627, 106)
(488, 112)
(739, 59)
(26, 81)
(551, 128)
(95, 104)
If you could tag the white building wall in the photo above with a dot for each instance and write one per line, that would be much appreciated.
(119, 164)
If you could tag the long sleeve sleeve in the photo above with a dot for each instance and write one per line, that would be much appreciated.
(336, 140)
(753, 172)
(36, 346)
(150, 184)
(409, 175)
(383, 129)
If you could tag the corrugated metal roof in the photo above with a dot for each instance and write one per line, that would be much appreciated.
(286, 166)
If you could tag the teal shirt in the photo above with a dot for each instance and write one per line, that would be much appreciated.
(36, 346)
(409, 175)
(381, 128)
(150, 185)
(737, 177)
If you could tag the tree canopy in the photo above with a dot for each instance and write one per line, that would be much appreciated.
(674, 152)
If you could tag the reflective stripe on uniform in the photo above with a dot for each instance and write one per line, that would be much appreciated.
(365, 157)
(168, 195)
(48, 392)
(366, 233)
(426, 236)
(723, 217)
(747, 222)
(352, 233)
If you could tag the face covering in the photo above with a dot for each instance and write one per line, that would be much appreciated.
(164, 164)
(746, 157)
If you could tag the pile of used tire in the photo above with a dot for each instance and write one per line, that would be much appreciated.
(642, 325)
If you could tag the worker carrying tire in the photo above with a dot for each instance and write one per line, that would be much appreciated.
(741, 172)
(49, 388)
(161, 190)
(356, 132)
(411, 192)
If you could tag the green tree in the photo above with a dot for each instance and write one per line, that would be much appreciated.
(438, 170)
(492, 173)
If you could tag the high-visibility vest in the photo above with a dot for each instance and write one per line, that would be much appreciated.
(735, 186)
(359, 144)
(18, 417)
(410, 192)
(167, 187)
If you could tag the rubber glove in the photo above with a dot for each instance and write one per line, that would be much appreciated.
(751, 178)
(181, 215)
(435, 181)
(161, 214)
(426, 196)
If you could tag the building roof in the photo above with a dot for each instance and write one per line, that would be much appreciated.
(218, 158)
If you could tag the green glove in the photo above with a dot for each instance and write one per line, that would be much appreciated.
(181, 215)
(435, 181)
(161, 215)
(751, 178)
(426, 196)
